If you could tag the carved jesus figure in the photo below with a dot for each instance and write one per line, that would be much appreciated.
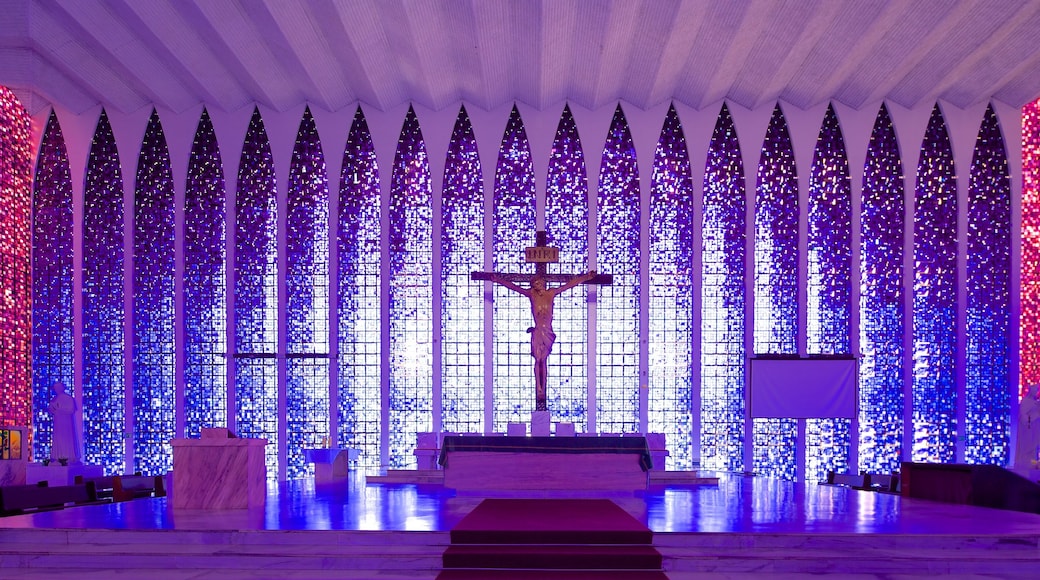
(542, 335)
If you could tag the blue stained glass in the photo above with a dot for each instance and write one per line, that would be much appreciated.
(462, 301)
(882, 317)
(358, 296)
(935, 297)
(776, 284)
(256, 293)
(567, 227)
(154, 398)
(205, 285)
(104, 386)
(723, 299)
(617, 313)
(307, 293)
(513, 229)
(671, 294)
(829, 285)
(411, 294)
(989, 389)
(52, 353)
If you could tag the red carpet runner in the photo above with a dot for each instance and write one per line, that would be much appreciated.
(551, 538)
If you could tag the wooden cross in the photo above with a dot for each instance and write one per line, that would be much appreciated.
(541, 255)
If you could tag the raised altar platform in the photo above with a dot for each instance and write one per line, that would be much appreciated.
(496, 463)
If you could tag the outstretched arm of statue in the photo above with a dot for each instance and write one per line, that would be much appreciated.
(577, 280)
(509, 284)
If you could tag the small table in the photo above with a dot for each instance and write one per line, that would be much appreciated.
(332, 463)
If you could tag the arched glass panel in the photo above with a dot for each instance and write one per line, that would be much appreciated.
(205, 285)
(513, 229)
(935, 297)
(256, 293)
(462, 300)
(618, 239)
(829, 286)
(307, 295)
(567, 227)
(776, 285)
(357, 295)
(104, 384)
(988, 392)
(154, 393)
(671, 294)
(882, 316)
(52, 319)
(723, 300)
(411, 294)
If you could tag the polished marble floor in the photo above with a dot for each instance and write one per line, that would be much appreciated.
(737, 505)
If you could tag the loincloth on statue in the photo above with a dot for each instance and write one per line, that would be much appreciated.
(542, 340)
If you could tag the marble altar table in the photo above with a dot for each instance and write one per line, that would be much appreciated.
(331, 463)
(216, 473)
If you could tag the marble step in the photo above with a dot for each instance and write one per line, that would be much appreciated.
(708, 542)
(417, 476)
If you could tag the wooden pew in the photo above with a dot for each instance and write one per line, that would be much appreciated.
(21, 499)
(128, 487)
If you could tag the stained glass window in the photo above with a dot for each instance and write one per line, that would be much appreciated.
(256, 293)
(205, 285)
(829, 286)
(617, 313)
(462, 300)
(52, 319)
(411, 294)
(154, 400)
(104, 386)
(935, 297)
(776, 284)
(16, 203)
(307, 294)
(513, 229)
(670, 246)
(882, 316)
(988, 392)
(567, 227)
(1029, 325)
(357, 295)
(723, 299)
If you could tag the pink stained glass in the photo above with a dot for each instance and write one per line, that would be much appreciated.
(15, 265)
(1029, 324)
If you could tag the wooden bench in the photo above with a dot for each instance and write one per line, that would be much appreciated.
(21, 499)
(864, 481)
(128, 487)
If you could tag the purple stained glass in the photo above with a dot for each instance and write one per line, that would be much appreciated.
(52, 347)
(881, 311)
(829, 286)
(776, 284)
(205, 285)
(989, 389)
(462, 301)
(411, 294)
(307, 293)
(670, 301)
(256, 293)
(104, 386)
(513, 229)
(358, 296)
(567, 227)
(154, 397)
(723, 299)
(935, 297)
(618, 239)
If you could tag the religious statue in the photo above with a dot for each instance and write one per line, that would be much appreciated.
(1028, 441)
(63, 410)
(542, 335)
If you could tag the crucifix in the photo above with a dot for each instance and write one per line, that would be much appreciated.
(541, 296)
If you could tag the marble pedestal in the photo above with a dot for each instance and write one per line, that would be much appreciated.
(218, 474)
(541, 424)
(331, 464)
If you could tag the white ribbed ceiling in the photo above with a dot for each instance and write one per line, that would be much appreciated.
(176, 54)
